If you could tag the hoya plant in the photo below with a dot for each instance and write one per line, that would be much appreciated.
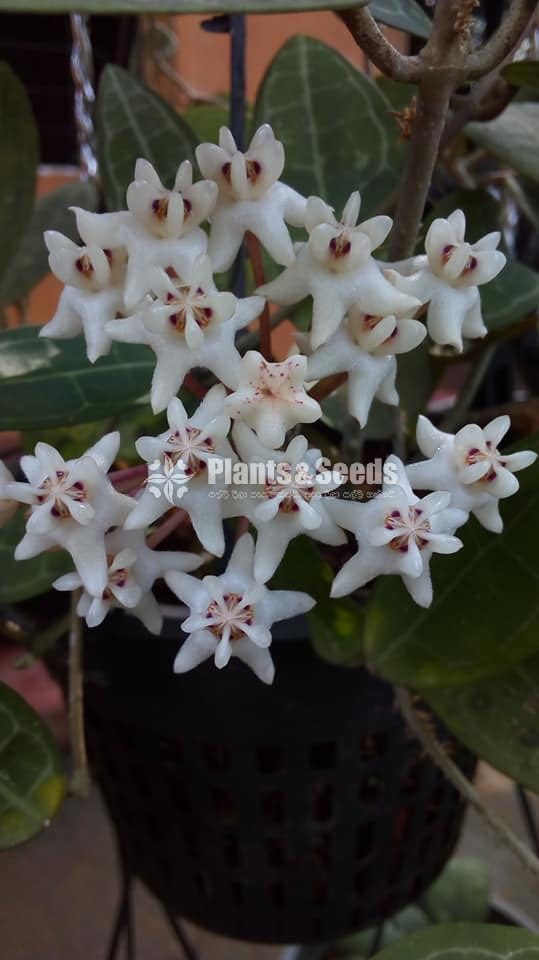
(253, 476)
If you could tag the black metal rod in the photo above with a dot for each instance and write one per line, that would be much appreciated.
(377, 941)
(238, 43)
(238, 38)
(124, 922)
(528, 816)
(181, 936)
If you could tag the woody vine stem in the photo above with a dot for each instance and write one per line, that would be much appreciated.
(445, 63)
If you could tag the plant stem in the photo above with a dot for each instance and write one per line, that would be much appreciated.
(255, 255)
(129, 473)
(194, 386)
(172, 520)
(328, 385)
(80, 779)
(434, 92)
(377, 47)
(436, 752)
(507, 35)
(454, 416)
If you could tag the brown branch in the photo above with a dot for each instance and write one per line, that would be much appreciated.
(264, 323)
(504, 40)
(80, 779)
(173, 519)
(377, 47)
(436, 752)
(194, 386)
(328, 385)
(432, 102)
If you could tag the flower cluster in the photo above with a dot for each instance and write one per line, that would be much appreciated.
(146, 275)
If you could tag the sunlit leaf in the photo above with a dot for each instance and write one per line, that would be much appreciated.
(32, 778)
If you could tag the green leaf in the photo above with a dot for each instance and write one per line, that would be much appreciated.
(133, 122)
(484, 618)
(50, 383)
(460, 893)
(498, 719)
(403, 14)
(336, 629)
(510, 297)
(513, 137)
(522, 73)
(337, 127)
(465, 941)
(22, 579)
(406, 921)
(51, 212)
(19, 157)
(514, 293)
(32, 778)
(206, 119)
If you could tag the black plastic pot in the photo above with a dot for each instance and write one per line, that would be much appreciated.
(292, 813)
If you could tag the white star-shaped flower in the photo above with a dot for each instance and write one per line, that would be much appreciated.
(193, 442)
(448, 279)
(290, 502)
(93, 293)
(73, 504)
(251, 197)
(365, 347)
(231, 615)
(8, 505)
(189, 324)
(397, 533)
(469, 465)
(132, 571)
(336, 269)
(271, 397)
(161, 229)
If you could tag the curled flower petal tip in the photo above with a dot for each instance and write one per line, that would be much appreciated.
(250, 197)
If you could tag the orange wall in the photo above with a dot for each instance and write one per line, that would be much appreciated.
(202, 57)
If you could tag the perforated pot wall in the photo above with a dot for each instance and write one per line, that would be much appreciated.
(292, 813)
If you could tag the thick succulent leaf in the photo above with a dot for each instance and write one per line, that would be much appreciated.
(50, 383)
(51, 212)
(22, 579)
(133, 122)
(18, 164)
(337, 126)
(498, 718)
(461, 893)
(514, 293)
(513, 137)
(522, 73)
(32, 778)
(408, 920)
(484, 618)
(403, 14)
(465, 941)
(336, 629)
